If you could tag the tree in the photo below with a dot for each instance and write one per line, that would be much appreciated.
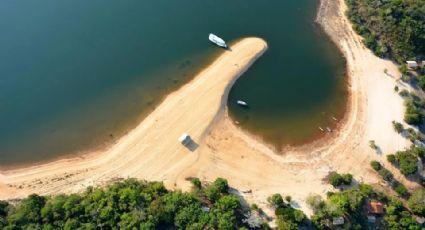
(196, 183)
(407, 162)
(398, 127)
(339, 179)
(421, 82)
(222, 185)
(393, 29)
(417, 202)
(132, 204)
(391, 158)
(401, 189)
(4, 206)
(275, 200)
(418, 151)
(29, 211)
(315, 202)
(376, 165)
(288, 199)
(212, 193)
(373, 145)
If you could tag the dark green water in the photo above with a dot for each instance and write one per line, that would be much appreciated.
(75, 74)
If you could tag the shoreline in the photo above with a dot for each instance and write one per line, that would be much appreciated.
(247, 55)
(224, 150)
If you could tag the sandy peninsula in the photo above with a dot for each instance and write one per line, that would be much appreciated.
(151, 151)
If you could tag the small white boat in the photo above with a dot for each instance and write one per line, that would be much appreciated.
(329, 129)
(217, 40)
(321, 129)
(242, 103)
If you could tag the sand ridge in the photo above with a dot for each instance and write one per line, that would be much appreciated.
(151, 150)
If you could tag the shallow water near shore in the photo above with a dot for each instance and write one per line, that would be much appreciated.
(75, 75)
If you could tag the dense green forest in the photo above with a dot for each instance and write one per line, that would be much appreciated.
(133, 204)
(391, 28)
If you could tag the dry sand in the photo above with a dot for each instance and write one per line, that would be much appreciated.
(151, 150)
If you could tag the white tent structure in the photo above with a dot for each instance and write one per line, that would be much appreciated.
(412, 64)
(184, 139)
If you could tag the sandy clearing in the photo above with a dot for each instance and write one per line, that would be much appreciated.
(151, 151)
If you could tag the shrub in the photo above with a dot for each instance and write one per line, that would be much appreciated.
(418, 151)
(386, 174)
(275, 200)
(376, 165)
(413, 135)
(407, 162)
(421, 82)
(372, 144)
(339, 179)
(413, 115)
(404, 93)
(196, 183)
(398, 127)
(391, 158)
(401, 189)
(222, 185)
(417, 202)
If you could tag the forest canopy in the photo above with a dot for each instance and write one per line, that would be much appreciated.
(391, 28)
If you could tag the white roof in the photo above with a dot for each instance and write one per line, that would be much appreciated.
(183, 137)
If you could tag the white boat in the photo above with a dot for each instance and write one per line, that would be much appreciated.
(242, 103)
(217, 40)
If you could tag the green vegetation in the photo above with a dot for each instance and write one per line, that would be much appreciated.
(133, 204)
(406, 160)
(351, 205)
(376, 165)
(130, 204)
(415, 108)
(398, 127)
(421, 82)
(413, 114)
(373, 145)
(275, 200)
(413, 135)
(417, 202)
(392, 28)
(398, 217)
(287, 217)
(398, 187)
(385, 173)
(336, 179)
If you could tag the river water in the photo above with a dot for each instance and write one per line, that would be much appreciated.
(77, 74)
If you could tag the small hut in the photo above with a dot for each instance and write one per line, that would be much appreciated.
(371, 219)
(412, 64)
(338, 221)
(375, 207)
(184, 139)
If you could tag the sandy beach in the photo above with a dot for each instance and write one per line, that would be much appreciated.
(151, 151)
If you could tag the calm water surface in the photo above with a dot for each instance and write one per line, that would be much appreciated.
(75, 74)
